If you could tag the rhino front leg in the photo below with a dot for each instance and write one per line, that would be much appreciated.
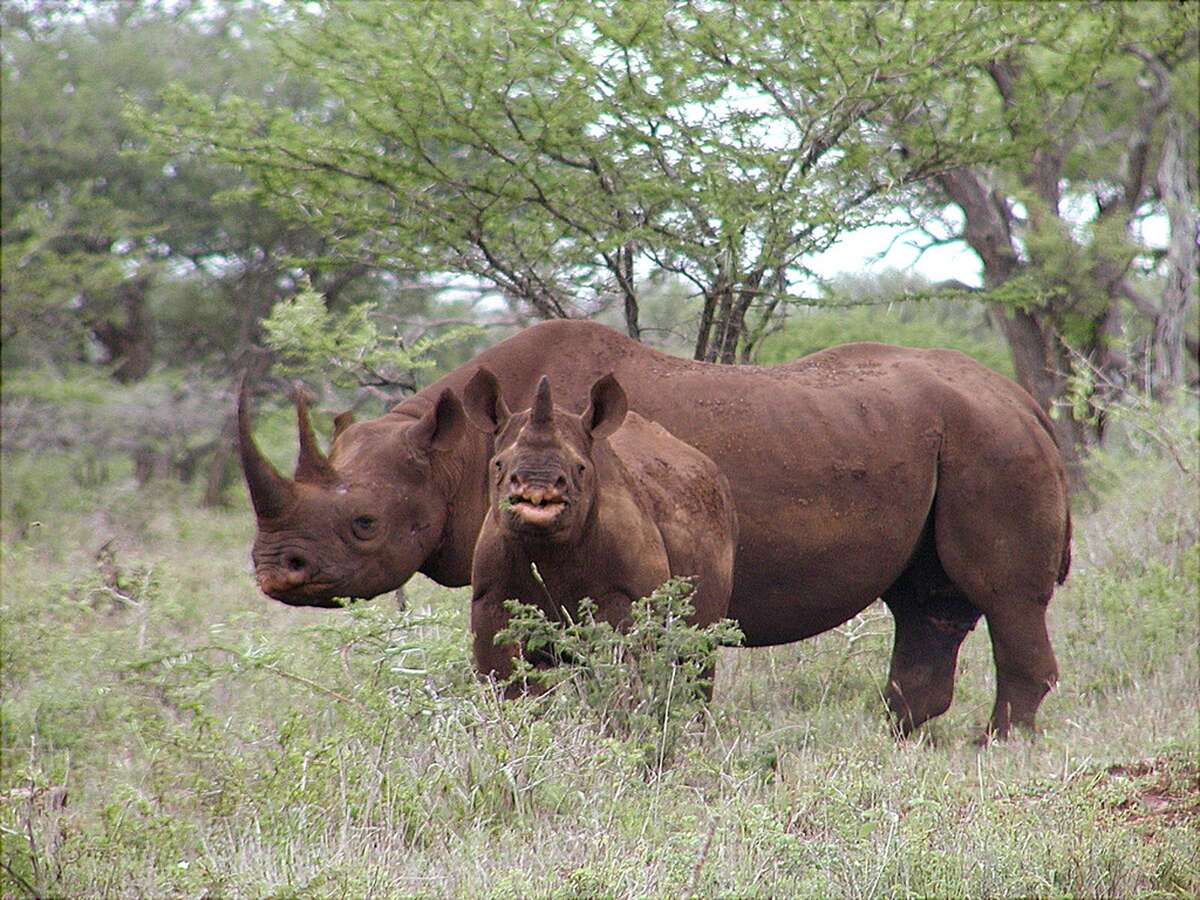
(493, 661)
(615, 608)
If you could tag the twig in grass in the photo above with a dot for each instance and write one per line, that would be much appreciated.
(312, 685)
(887, 852)
(33, 860)
(662, 748)
(20, 882)
(695, 879)
(253, 663)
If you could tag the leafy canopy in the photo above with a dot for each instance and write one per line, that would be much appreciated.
(347, 347)
(561, 151)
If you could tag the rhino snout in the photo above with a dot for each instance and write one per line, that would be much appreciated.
(293, 572)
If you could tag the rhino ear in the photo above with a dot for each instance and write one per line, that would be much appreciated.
(485, 407)
(341, 422)
(441, 426)
(607, 409)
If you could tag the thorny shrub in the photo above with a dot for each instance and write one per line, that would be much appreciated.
(645, 683)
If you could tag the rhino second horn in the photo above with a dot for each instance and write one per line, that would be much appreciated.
(312, 466)
(270, 492)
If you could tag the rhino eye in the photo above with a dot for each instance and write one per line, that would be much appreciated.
(364, 527)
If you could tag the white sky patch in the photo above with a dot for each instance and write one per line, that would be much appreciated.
(878, 248)
(859, 251)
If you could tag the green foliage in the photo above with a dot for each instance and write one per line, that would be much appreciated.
(554, 154)
(45, 263)
(645, 683)
(164, 424)
(1075, 116)
(1166, 428)
(111, 251)
(81, 213)
(893, 308)
(348, 347)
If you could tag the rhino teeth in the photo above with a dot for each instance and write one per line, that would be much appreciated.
(544, 501)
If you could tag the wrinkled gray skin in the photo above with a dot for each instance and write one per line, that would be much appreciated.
(324, 535)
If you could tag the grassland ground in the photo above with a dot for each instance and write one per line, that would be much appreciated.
(169, 731)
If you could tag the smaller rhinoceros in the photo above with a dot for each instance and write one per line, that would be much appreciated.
(607, 505)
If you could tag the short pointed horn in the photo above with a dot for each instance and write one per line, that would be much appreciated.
(542, 413)
(269, 491)
(312, 466)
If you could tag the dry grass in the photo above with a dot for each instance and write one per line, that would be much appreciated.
(166, 730)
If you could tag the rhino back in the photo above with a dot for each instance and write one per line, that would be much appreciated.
(832, 459)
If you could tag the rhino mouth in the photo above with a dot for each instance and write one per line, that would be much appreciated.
(324, 597)
(323, 600)
(535, 509)
(321, 594)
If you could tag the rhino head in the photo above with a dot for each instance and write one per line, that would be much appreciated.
(543, 475)
(360, 521)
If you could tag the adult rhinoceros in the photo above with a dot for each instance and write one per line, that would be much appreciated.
(858, 472)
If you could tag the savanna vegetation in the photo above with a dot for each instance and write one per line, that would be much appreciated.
(170, 731)
(366, 194)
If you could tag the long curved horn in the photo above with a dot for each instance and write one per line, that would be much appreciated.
(269, 491)
(541, 416)
(312, 465)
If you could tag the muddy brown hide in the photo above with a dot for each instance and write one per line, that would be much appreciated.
(859, 472)
(606, 505)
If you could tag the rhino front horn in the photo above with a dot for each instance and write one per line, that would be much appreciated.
(542, 415)
(269, 491)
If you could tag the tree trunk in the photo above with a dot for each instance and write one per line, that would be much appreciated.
(724, 298)
(707, 317)
(1041, 366)
(130, 344)
(1177, 189)
(220, 465)
(732, 328)
(1040, 363)
(625, 278)
(631, 317)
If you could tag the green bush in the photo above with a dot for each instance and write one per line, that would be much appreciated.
(644, 683)
(927, 323)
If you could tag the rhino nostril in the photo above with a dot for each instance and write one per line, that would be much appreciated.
(560, 482)
(296, 563)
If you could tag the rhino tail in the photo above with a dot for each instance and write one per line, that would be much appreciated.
(1064, 564)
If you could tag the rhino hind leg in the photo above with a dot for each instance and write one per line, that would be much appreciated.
(932, 618)
(1003, 542)
(1025, 666)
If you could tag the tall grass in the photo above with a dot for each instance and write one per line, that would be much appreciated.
(167, 730)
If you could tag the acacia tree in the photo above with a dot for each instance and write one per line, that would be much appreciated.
(563, 151)
(1091, 116)
(119, 258)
